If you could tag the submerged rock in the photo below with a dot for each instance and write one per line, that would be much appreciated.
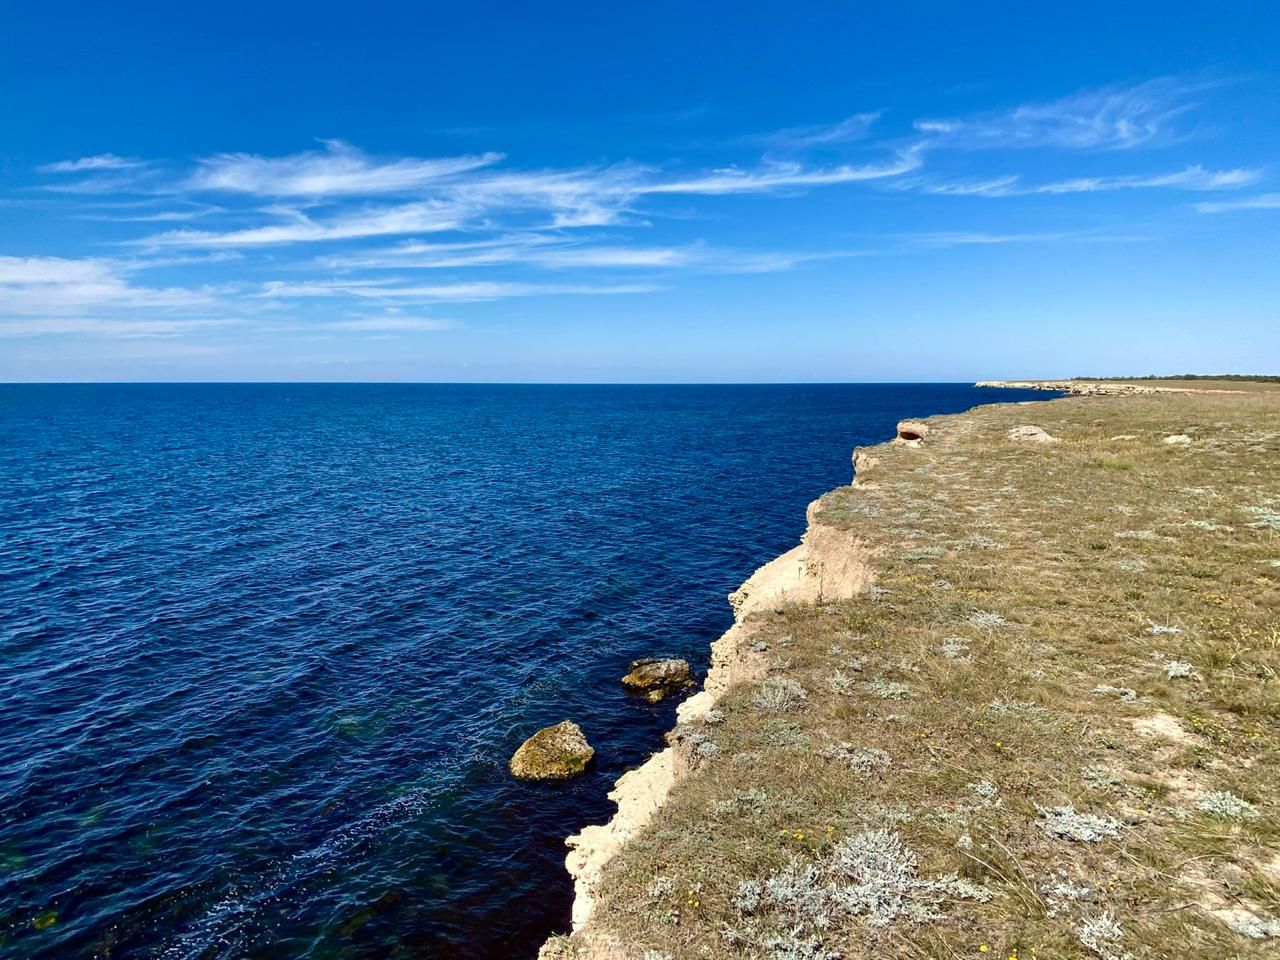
(656, 677)
(553, 753)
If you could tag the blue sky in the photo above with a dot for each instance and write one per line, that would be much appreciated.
(667, 192)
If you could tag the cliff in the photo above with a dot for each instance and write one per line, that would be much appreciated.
(1004, 696)
(826, 565)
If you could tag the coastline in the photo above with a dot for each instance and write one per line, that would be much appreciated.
(824, 566)
(836, 563)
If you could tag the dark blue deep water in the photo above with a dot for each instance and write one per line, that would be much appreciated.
(266, 649)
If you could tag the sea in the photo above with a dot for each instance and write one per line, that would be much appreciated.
(266, 649)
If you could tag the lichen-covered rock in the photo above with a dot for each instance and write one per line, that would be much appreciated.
(656, 677)
(1031, 433)
(553, 753)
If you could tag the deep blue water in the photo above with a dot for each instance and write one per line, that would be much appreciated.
(266, 649)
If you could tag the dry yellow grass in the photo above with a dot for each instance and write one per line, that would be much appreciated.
(1050, 730)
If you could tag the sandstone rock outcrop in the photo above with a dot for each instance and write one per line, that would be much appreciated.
(912, 432)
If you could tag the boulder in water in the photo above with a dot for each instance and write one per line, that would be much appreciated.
(656, 677)
(553, 753)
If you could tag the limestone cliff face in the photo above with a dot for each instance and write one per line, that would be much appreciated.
(828, 564)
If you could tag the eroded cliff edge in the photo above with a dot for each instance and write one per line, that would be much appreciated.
(827, 564)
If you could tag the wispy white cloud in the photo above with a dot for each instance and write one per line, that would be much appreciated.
(584, 197)
(144, 180)
(467, 193)
(103, 161)
(465, 292)
(853, 128)
(426, 216)
(558, 252)
(614, 256)
(180, 260)
(16, 271)
(1261, 201)
(567, 199)
(540, 250)
(989, 187)
(1110, 118)
(392, 321)
(582, 230)
(53, 295)
(961, 238)
(122, 327)
(1190, 178)
(337, 171)
(39, 285)
(420, 255)
(780, 176)
(182, 211)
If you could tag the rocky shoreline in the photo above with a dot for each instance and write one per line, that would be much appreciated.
(826, 565)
